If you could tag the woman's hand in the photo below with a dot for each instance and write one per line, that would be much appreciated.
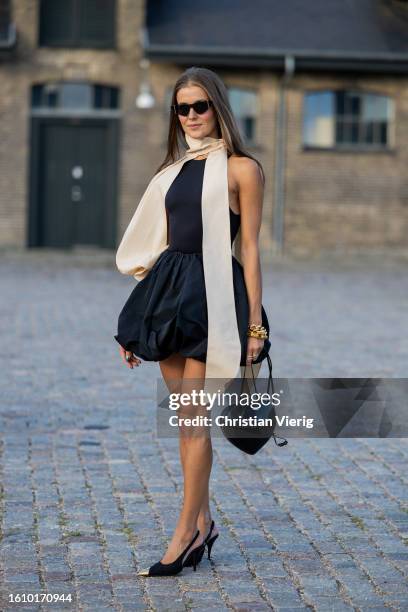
(254, 347)
(131, 360)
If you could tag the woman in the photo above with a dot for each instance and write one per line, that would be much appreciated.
(165, 318)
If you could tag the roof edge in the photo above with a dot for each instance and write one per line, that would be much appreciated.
(270, 52)
(305, 60)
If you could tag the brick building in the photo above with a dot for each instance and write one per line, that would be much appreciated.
(320, 91)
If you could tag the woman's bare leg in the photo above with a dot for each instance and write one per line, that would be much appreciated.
(195, 455)
(197, 370)
(173, 368)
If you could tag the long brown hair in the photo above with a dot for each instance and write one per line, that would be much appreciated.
(226, 124)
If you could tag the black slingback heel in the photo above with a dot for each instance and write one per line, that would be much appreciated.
(209, 541)
(171, 569)
(195, 556)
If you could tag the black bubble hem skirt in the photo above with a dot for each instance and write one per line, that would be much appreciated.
(167, 310)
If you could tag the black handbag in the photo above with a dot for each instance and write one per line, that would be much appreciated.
(260, 433)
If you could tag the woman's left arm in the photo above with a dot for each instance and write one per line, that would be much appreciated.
(251, 194)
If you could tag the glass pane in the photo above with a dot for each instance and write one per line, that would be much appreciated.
(339, 131)
(52, 99)
(96, 21)
(376, 108)
(114, 102)
(377, 113)
(340, 103)
(57, 22)
(318, 119)
(5, 17)
(243, 102)
(354, 129)
(355, 104)
(383, 133)
(105, 96)
(362, 118)
(76, 95)
(36, 95)
(98, 96)
(365, 132)
(249, 127)
(167, 99)
(244, 106)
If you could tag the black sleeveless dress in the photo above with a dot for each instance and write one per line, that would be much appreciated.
(167, 310)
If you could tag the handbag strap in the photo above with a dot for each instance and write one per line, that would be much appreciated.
(270, 384)
(270, 379)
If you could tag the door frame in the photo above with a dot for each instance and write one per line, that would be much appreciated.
(34, 226)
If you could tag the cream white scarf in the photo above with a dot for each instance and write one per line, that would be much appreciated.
(146, 237)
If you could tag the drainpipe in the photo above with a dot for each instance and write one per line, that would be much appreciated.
(280, 156)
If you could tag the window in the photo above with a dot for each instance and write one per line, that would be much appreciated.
(167, 100)
(244, 106)
(77, 23)
(74, 95)
(347, 119)
(5, 18)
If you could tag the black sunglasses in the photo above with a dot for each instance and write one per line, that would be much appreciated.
(200, 107)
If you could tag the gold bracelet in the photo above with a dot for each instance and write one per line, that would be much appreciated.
(257, 331)
(256, 335)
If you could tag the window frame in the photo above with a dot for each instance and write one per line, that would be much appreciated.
(77, 41)
(5, 18)
(247, 88)
(350, 147)
(98, 91)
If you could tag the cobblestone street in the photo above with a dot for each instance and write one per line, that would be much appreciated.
(90, 494)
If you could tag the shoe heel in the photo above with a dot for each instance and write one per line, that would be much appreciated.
(194, 557)
(210, 544)
(170, 569)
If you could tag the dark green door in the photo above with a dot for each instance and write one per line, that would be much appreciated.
(75, 196)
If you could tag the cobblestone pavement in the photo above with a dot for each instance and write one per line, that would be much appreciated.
(90, 494)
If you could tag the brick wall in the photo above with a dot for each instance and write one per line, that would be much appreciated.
(33, 64)
(332, 200)
(341, 200)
